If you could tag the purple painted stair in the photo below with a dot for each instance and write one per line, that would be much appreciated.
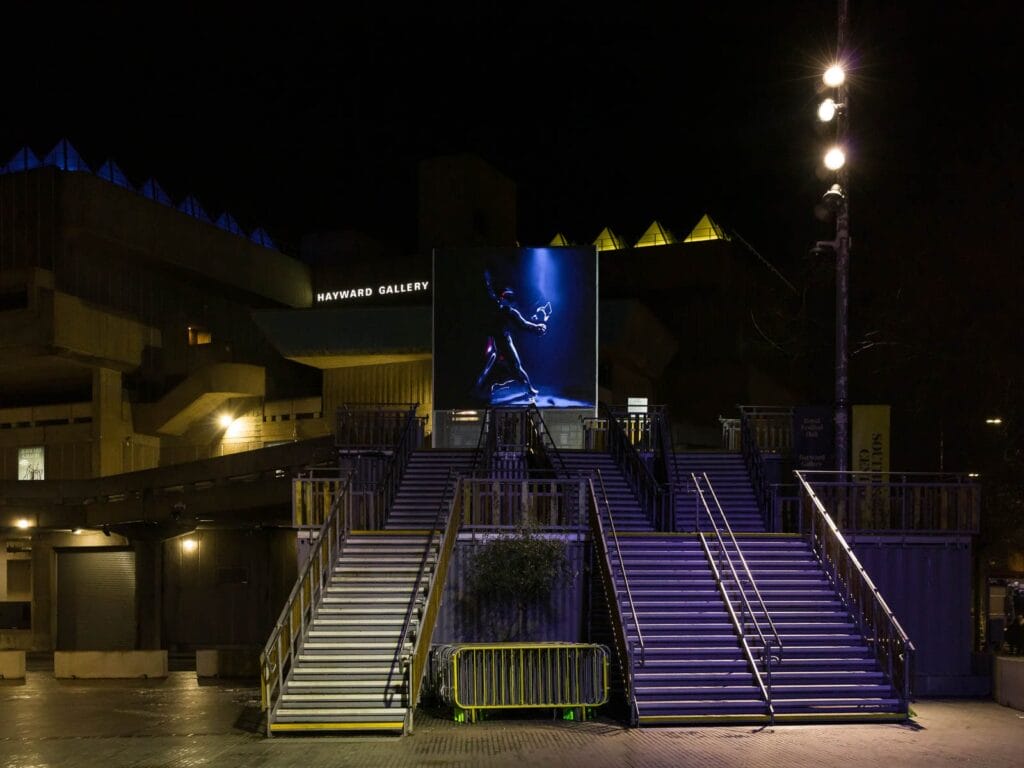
(692, 668)
(729, 477)
(625, 507)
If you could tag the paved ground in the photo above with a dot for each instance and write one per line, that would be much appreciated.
(176, 722)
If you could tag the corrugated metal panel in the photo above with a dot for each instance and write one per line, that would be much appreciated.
(466, 619)
(392, 383)
(96, 600)
(928, 587)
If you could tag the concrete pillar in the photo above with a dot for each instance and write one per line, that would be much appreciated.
(110, 428)
(148, 593)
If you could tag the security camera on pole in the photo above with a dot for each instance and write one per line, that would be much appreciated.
(836, 109)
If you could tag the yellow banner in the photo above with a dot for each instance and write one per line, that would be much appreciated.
(870, 438)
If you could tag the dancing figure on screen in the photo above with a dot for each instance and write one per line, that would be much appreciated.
(501, 349)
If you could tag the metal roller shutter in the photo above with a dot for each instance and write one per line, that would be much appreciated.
(96, 600)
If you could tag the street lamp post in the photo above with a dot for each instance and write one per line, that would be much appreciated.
(837, 200)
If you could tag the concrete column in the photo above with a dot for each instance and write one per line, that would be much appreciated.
(148, 593)
(109, 425)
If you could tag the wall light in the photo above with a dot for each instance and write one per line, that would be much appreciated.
(189, 545)
(995, 420)
(226, 420)
(23, 523)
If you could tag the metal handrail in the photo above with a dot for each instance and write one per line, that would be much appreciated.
(622, 569)
(547, 443)
(753, 459)
(723, 553)
(435, 588)
(876, 621)
(743, 562)
(624, 647)
(656, 503)
(304, 598)
(903, 502)
(765, 690)
(388, 486)
(484, 448)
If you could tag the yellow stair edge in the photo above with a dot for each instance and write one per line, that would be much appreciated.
(704, 719)
(367, 726)
(853, 717)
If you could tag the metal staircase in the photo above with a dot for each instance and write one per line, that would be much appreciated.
(728, 474)
(725, 628)
(629, 516)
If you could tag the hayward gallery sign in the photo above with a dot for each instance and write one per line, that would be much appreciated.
(368, 291)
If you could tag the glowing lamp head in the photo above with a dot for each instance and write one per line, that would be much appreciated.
(835, 159)
(994, 421)
(826, 110)
(189, 545)
(23, 523)
(834, 76)
(225, 420)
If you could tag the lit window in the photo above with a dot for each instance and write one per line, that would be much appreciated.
(32, 463)
(198, 335)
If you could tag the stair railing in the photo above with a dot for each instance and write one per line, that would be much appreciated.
(739, 622)
(544, 444)
(486, 444)
(288, 634)
(414, 664)
(655, 499)
(776, 638)
(624, 647)
(409, 438)
(875, 621)
(750, 446)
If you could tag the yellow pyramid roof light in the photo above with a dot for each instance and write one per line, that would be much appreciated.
(706, 229)
(609, 241)
(655, 235)
(559, 239)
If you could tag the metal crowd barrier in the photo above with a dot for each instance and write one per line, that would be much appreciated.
(472, 677)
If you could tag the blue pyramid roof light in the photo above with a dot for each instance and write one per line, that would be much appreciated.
(227, 222)
(24, 160)
(154, 191)
(192, 207)
(65, 157)
(110, 171)
(260, 237)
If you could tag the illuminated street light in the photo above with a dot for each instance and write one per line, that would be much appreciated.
(827, 110)
(835, 159)
(834, 76)
(996, 420)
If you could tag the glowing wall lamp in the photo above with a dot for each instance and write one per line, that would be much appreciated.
(189, 545)
(23, 523)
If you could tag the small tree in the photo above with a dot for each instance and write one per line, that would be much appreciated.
(518, 571)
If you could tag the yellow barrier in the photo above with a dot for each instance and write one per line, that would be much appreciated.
(482, 676)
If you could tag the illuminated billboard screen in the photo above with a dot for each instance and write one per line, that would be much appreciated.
(514, 326)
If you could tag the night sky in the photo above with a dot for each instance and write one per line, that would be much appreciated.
(301, 121)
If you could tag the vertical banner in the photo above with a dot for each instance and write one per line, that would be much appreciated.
(813, 437)
(870, 438)
(870, 452)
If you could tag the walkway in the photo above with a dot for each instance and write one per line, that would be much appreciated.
(176, 722)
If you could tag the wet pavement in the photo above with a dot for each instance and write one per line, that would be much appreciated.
(177, 722)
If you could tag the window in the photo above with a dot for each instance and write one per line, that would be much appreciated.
(32, 463)
(198, 335)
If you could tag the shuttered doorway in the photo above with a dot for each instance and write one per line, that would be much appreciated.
(96, 599)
